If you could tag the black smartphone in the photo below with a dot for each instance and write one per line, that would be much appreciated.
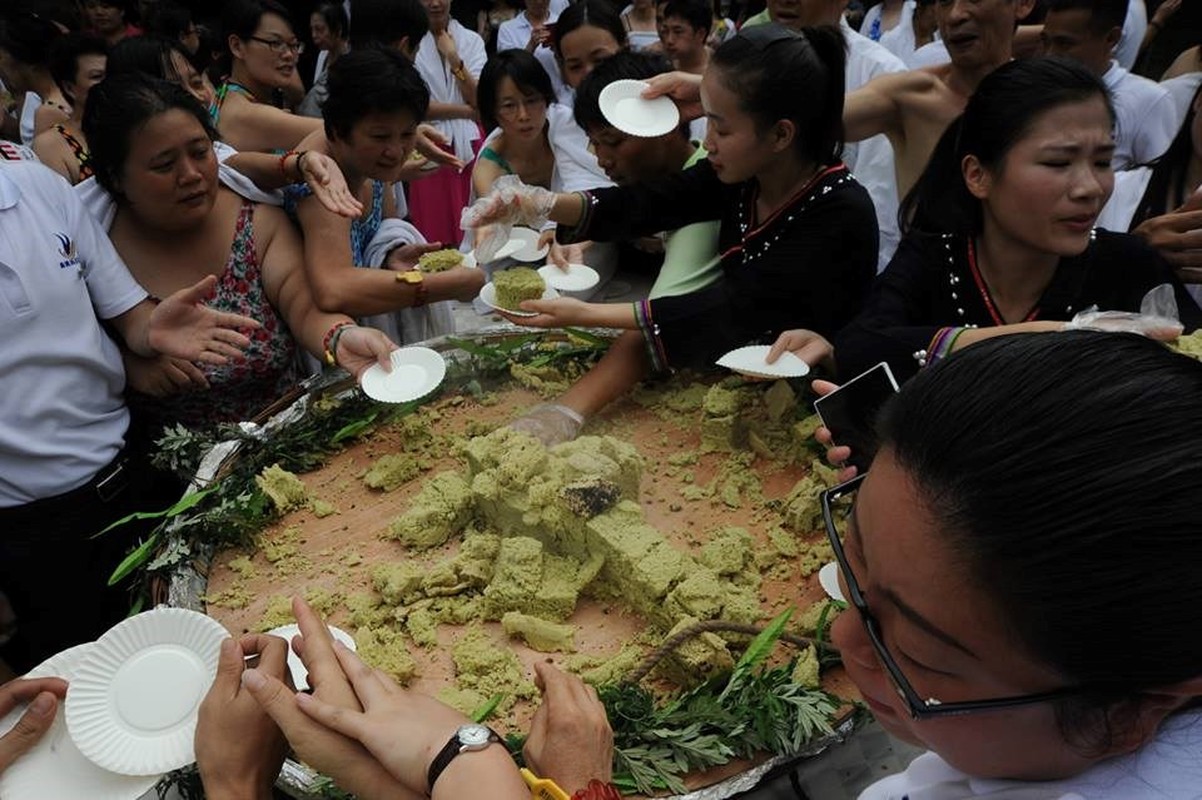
(850, 412)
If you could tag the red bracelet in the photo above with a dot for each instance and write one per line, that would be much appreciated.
(284, 163)
(596, 790)
(330, 341)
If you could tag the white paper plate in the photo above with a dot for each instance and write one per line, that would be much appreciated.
(750, 361)
(416, 371)
(523, 246)
(132, 706)
(577, 278)
(623, 105)
(488, 295)
(300, 673)
(54, 767)
(828, 577)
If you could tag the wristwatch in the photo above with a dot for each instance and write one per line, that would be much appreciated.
(467, 739)
(416, 279)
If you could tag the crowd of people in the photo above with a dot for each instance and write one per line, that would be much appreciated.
(987, 195)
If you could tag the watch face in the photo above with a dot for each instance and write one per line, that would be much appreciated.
(474, 735)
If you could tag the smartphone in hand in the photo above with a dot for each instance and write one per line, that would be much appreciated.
(850, 413)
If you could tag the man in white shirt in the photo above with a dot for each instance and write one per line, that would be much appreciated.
(1145, 117)
(64, 474)
(871, 160)
(531, 30)
(684, 31)
(1134, 28)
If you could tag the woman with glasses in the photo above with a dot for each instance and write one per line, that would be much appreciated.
(1025, 595)
(533, 137)
(263, 51)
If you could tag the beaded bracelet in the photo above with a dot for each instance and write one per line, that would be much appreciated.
(329, 344)
(300, 154)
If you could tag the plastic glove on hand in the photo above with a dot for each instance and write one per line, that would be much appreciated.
(510, 203)
(550, 423)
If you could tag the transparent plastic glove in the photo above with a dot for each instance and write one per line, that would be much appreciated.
(510, 203)
(550, 423)
(1157, 317)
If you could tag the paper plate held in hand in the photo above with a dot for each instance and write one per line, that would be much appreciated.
(133, 704)
(576, 278)
(300, 673)
(523, 246)
(623, 105)
(828, 578)
(488, 295)
(54, 767)
(751, 361)
(416, 371)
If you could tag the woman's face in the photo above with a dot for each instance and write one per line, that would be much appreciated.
(581, 49)
(948, 638)
(269, 55)
(193, 81)
(737, 150)
(169, 178)
(89, 71)
(1050, 187)
(319, 31)
(521, 115)
(377, 146)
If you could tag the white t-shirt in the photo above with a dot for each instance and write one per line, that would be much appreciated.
(871, 160)
(898, 40)
(932, 54)
(1134, 28)
(1182, 89)
(62, 416)
(515, 33)
(1168, 768)
(1145, 117)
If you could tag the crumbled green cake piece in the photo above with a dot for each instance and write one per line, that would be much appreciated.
(540, 634)
(393, 470)
(441, 508)
(284, 488)
(488, 668)
(321, 509)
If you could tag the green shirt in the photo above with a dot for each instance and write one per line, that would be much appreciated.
(690, 254)
(761, 18)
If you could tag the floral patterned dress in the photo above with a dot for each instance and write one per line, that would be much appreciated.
(242, 387)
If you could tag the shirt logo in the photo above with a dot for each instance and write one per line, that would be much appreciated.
(66, 249)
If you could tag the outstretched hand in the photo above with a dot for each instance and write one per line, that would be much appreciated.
(810, 347)
(570, 739)
(239, 749)
(325, 179)
(683, 88)
(359, 347)
(558, 312)
(433, 144)
(344, 759)
(184, 327)
(43, 696)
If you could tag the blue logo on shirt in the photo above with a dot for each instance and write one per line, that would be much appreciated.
(66, 249)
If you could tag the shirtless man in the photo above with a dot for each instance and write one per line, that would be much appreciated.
(914, 108)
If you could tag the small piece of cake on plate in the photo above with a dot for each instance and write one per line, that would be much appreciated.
(512, 286)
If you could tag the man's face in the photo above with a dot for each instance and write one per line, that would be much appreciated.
(682, 42)
(980, 33)
(1070, 34)
(629, 159)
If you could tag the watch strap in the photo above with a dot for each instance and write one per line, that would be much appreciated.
(449, 751)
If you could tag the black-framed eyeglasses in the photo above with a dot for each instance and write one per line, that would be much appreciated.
(919, 707)
(279, 46)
